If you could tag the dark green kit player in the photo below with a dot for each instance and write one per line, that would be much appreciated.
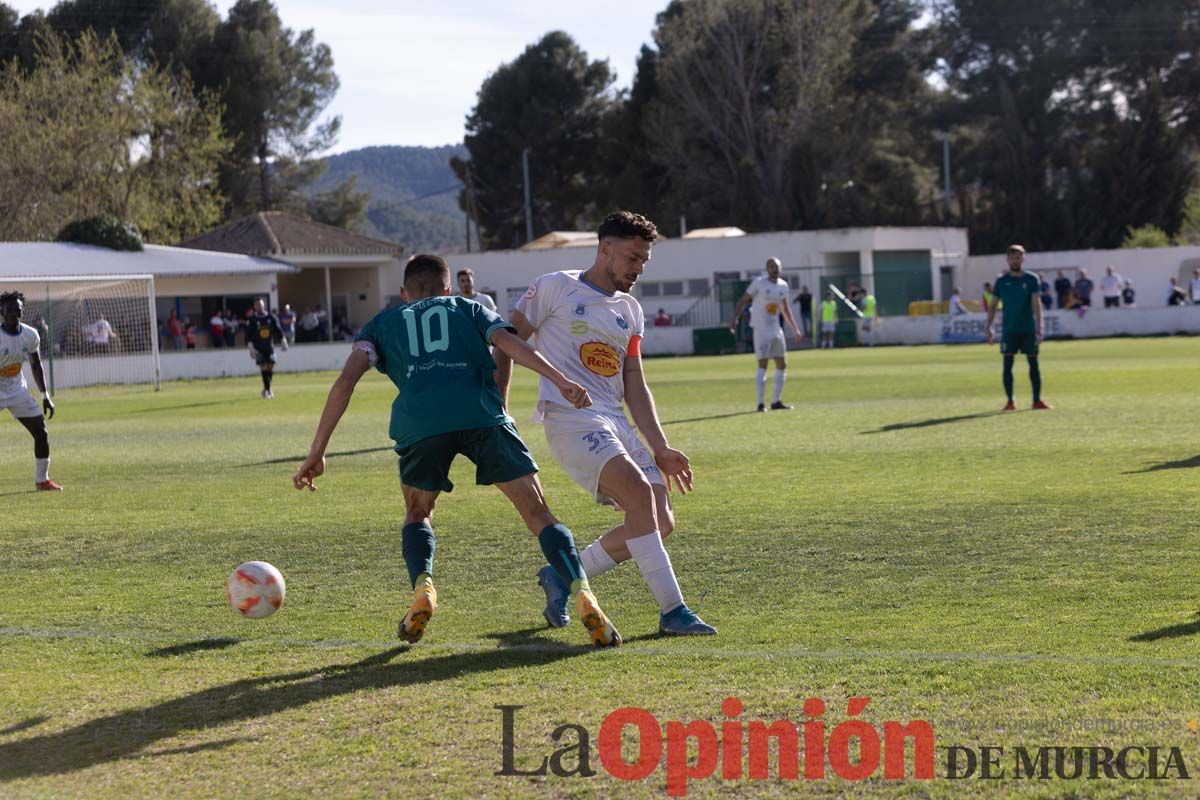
(1021, 329)
(435, 350)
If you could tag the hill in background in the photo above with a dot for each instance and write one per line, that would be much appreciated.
(414, 194)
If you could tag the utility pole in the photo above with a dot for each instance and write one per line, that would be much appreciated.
(471, 206)
(528, 204)
(944, 136)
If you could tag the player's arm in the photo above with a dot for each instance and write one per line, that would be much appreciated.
(673, 463)
(745, 300)
(504, 360)
(991, 336)
(1037, 315)
(335, 406)
(519, 350)
(277, 332)
(39, 377)
(791, 320)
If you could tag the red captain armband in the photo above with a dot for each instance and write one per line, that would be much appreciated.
(634, 350)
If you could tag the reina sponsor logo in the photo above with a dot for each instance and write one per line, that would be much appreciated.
(10, 371)
(600, 358)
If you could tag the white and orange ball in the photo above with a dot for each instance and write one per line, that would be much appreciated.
(255, 589)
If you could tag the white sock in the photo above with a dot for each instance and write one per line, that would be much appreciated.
(655, 566)
(762, 384)
(780, 376)
(42, 469)
(596, 560)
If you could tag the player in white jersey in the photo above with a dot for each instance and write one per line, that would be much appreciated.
(466, 288)
(590, 328)
(19, 341)
(768, 295)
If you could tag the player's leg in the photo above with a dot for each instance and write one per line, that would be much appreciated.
(267, 366)
(418, 545)
(777, 403)
(1035, 373)
(36, 425)
(558, 546)
(761, 378)
(424, 474)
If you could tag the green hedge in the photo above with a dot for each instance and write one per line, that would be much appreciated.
(104, 231)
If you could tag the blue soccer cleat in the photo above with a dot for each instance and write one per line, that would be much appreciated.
(557, 595)
(682, 621)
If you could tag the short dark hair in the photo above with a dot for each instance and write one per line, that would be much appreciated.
(426, 274)
(9, 297)
(627, 225)
(465, 271)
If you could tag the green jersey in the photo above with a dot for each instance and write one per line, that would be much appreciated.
(828, 311)
(869, 306)
(1017, 295)
(436, 352)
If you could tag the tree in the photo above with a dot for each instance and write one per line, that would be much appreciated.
(1073, 128)
(1146, 236)
(87, 131)
(551, 100)
(740, 86)
(274, 84)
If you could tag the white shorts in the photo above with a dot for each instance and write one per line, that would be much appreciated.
(867, 323)
(828, 327)
(21, 405)
(768, 346)
(582, 441)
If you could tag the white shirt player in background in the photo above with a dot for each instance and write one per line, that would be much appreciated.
(466, 288)
(768, 295)
(588, 326)
(18, 342)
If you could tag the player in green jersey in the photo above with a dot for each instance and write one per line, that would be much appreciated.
(435, 350)
(1018, 293)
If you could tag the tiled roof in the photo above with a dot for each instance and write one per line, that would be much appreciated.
(279, 234)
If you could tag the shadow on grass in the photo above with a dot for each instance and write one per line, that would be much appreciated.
(128, 734)
(155, 409)
(706, 419)
(24, 724)
(298, 459)
(1187, 463)
(1169, 632)
(929, 423)
(194, 647)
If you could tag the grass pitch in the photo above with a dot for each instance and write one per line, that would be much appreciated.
(1023, 579)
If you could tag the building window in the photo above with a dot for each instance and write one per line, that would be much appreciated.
(698, 287)
(672, 288)
(650, 289)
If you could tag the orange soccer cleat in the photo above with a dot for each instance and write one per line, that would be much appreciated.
(48, 486)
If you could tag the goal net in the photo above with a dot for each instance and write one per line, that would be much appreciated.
(95, 330)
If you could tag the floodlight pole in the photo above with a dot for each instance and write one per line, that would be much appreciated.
(528, 204)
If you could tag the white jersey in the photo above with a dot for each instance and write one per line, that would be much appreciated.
(770, 297)
(484, 300)
(586, 333)
(13, 351)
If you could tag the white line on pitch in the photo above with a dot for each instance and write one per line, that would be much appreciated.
(636, 647)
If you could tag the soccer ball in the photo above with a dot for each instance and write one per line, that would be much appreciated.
(255, 589)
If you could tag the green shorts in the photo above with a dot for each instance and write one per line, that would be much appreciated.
(1013, 343)
(497, 452)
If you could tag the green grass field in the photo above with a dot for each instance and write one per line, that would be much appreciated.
(1023, 579)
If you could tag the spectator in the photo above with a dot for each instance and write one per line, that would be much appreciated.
(322, 324)
(97, 336)
(662, 319)
(287, 323)
(343, 329)
(189, 335)
(175, 331)
(956, 303)
(1110, 288)
(1195, 285)
(1083, 291)
(804, 303)
(43, 330)
(216, 329)
(1047, 300)
(989, 299)
(1062, 289)
(1175, 294)
(1128, 295)
(231, 329)
(309, 323)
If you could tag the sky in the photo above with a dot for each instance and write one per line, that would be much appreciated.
(410, 70)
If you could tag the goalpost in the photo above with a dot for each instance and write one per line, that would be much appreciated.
(95, 330)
